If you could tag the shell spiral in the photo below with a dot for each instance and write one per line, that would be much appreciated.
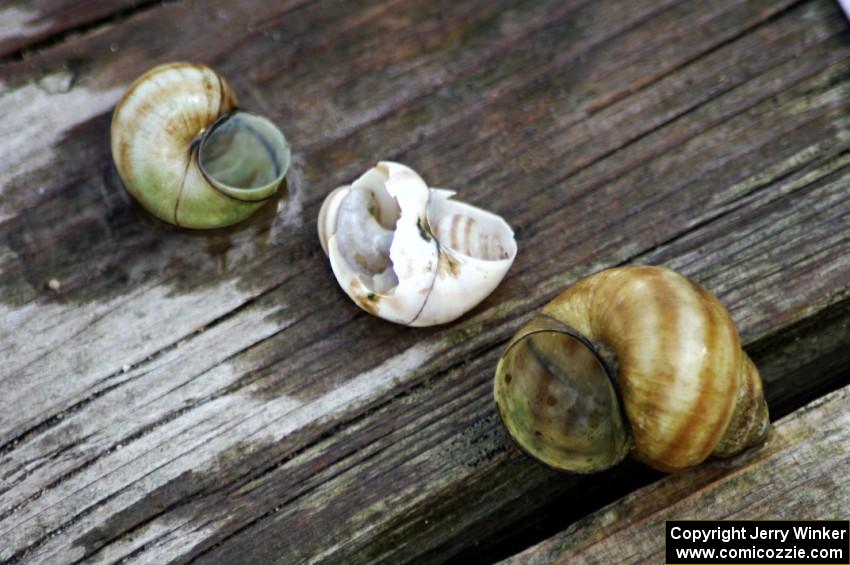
(409, 253)
(687, 389)
(186, 152)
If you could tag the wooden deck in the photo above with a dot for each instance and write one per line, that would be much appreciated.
(215, 397)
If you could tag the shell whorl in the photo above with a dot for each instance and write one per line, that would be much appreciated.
(688, 390)
(163, 126)
(326, 224)
(463, 235)
(384, 237)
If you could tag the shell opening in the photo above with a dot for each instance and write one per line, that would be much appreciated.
(366, 222)
(557, 400)
(243, 155)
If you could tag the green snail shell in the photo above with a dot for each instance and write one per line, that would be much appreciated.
(186, 152)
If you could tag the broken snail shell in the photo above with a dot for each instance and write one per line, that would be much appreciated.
(638, 359)
(187, 153)
(409, 253)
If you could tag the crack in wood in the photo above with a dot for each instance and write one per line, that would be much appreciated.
(97, 539)
(53, 420)
(643, 87)
(264, 376)
(559, 62)
(795, 474)
(29, 49)
(621, 174)
(742, 201)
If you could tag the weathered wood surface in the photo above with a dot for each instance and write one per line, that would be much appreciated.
(799, 474)
(216, 397)
(33, 25)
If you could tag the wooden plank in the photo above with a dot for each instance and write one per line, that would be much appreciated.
(787, 362)
(97, 208)
(26, 25)
(466, 457)
(92, 277)
(797, 475)
(239, 418)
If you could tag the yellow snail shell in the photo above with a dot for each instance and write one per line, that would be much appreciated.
(187, 153)
(409, 253)
(638, 359)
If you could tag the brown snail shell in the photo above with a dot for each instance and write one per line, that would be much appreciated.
(632, 359)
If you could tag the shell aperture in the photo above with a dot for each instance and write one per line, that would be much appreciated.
(242, 154)
(557, 400)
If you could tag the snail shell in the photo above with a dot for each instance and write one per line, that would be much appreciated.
(408, 253)
(638, 359)
(186, 152)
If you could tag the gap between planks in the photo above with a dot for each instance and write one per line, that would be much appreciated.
(795, 476)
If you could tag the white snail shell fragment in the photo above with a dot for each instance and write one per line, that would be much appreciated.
(409, 253)
(632, 359)
(186, 152)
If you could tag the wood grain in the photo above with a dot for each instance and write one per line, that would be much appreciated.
(216, 396)
(796, 476)
(31, 26)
